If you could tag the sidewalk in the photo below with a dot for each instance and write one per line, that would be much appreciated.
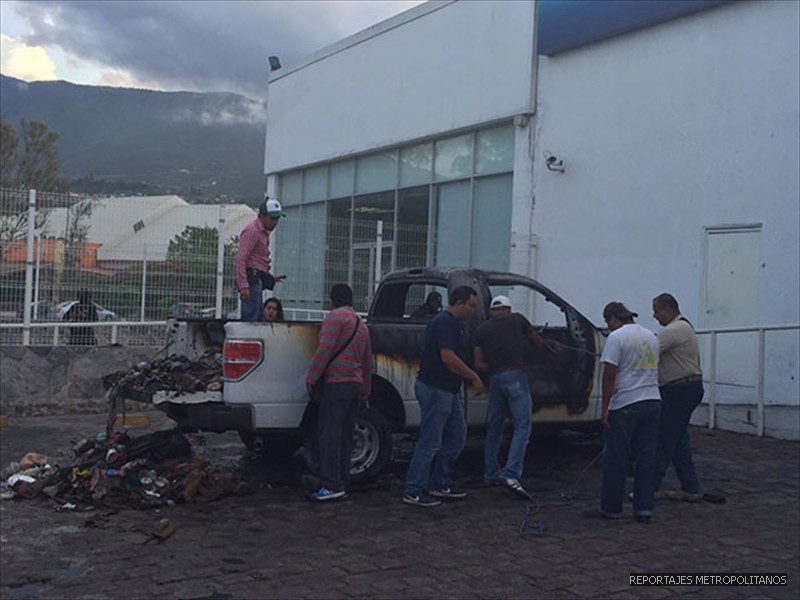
(276, 544)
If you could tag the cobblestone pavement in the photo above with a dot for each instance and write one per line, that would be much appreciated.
(274, 543)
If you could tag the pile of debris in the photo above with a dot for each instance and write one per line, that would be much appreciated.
(154, 469)
(175, 373)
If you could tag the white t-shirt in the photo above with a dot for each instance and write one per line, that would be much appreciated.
(634, 351)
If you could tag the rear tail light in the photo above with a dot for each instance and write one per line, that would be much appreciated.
(241, 357)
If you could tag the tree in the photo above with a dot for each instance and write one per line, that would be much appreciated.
(8, 154)
(192, 258)
(39, 168)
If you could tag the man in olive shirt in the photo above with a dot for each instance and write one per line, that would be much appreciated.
(680, 382)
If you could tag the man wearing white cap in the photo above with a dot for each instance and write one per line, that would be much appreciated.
(499, 350)
(253, 260)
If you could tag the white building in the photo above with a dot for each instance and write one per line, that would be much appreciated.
(672, 132)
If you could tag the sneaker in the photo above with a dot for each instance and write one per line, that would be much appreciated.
(515, 486)
(449, 492)
(423, 499)
(643, 518)
(685, 496)
(323, 494)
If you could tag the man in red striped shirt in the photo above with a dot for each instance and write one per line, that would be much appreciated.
(343, 362)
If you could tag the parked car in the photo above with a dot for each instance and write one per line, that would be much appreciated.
(43, 310)
(103, 314)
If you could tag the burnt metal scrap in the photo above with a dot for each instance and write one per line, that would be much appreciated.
(151, 470)
(174, 373)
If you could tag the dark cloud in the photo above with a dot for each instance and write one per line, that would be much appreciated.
(202, 46)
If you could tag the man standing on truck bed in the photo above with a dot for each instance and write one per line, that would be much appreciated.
(500, 342)
(253, 260)
(343, 362)
(443, 429)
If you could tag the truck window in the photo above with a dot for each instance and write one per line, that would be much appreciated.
(416, 301)
(527, 301)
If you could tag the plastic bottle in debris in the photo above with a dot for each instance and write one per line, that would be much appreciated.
(101, 437)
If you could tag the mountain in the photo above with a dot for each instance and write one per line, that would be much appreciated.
(204, 146)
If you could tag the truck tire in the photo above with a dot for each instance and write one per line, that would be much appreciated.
(372, 445)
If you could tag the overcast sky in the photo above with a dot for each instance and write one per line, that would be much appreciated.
(174, 45)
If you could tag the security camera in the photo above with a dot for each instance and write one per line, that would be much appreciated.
(553, 163)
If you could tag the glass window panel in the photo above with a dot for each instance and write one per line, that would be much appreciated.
(315, 184)
(454, 158)
(491, 230)
(342, 178)
(416, 164)
(337, 258)
(453, 225)
(367, 211)
(412, 227)
(495, 150)
(376, 172)
(300, 253)
(291, 188)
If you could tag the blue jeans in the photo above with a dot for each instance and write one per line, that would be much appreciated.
(507, 389)
(678, 401)
(442, 434)
(253, 309)
(632, 427)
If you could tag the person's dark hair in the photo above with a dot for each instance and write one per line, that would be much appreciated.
(341, 295)
(620, 311)
(668, 301)
(84, 297)
(278, 304)
(461, 294)
(434, 300)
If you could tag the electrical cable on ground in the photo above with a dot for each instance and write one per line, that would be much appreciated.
(562, 499)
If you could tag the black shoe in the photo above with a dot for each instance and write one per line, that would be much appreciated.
(423, 499)
(449, 493)
(643, 518)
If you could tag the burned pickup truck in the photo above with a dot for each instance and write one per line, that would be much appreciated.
(263, 396)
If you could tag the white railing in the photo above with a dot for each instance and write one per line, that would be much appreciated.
(130, 333)
(711, 372)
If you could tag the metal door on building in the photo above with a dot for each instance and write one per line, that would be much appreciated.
(730, 299)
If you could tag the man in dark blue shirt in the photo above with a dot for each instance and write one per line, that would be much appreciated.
(443, 429)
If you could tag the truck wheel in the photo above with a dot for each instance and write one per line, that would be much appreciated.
(372, 445)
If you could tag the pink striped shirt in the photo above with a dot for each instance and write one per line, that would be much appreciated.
(354, 363)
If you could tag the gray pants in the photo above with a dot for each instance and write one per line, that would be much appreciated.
(337, 419)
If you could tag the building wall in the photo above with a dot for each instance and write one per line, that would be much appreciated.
(665, 133)
(406, 78)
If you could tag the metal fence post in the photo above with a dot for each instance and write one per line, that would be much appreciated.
(760, 405)
(144, 280)
(26, 319)
(712, 395)
(378, 255)
(220, 263)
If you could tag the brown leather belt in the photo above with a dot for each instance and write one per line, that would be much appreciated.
(688, 379)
